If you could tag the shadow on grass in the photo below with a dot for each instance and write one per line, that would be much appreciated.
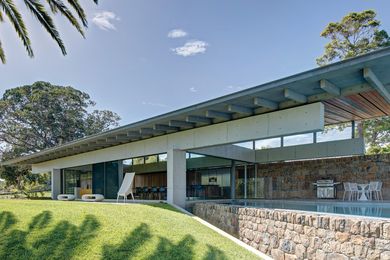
(167, 250)
(130, 246)
(135, 241)
(7, 220)
(60, 242)
(214, 253)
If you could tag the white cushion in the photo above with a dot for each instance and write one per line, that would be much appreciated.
(92, 197)
(66, 197)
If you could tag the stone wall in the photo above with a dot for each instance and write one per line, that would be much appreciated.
(285, 234)
(294, 179)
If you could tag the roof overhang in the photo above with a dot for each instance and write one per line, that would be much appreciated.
(353, 89)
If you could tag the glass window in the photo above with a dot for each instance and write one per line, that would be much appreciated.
(268, 143)
(335, 132)
(209, 184)
(248, 145)
(138, 160)
(151, 159)
(128, 162)
(194, 155)
(162, 157)
(298, 139)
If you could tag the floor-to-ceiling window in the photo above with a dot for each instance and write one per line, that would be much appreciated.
(77, 180)
(208, 177)
(150, 180)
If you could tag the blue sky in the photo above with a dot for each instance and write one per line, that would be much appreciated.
(133, 63)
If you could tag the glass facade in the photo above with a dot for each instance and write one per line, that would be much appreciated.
(207, 178)
(77, 180)
(99, 178)
(209, 183)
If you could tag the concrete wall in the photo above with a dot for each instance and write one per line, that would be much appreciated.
(286, 234)
(315, 150)
(286, 180)
(285, 122)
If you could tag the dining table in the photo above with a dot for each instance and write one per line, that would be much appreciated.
(363, 187)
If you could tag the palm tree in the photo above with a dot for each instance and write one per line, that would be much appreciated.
(39, 10)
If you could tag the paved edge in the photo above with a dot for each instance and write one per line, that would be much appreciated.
(223, 233)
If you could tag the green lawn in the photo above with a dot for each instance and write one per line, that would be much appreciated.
(76, 230)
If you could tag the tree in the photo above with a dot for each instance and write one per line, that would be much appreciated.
(42, 115)
(39, 116)
(356, 34)
(39, 10)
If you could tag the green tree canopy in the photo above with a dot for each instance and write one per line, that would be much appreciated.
(39, 10)
(42, 115)
(356, 34)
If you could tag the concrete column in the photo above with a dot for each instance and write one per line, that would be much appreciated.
(176, 177)
(233, 180)
(120, 172)
(245, 181)
(55, 183)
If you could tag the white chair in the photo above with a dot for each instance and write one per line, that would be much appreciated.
(355, 190)
(126, 187)
(92, 197)
(66, 197)
(350, 190)
(375, 190)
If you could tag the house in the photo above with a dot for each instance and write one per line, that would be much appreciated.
(192, 153)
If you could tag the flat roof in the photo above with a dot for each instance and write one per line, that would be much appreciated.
(353, 89)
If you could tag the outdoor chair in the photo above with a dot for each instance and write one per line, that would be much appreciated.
(126, 187)
(350, 191)
(375, 190)
(138, 192)
(146, 193)
(154, 192)
(162, 193)
(66, 197)
(92, 197)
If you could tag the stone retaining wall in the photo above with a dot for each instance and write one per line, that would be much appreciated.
(294, 179)
(285, 234)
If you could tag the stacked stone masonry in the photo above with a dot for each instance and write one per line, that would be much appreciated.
(295, 179)
(285, 234)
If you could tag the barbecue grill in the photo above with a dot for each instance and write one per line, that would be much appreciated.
(326, 189)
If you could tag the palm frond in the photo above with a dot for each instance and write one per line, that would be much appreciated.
(79, 10)
(39, 11)
(16, 19)
(58, 5)
(2, 54)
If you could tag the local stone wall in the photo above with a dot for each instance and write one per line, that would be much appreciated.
(285, 234)
(295, 179)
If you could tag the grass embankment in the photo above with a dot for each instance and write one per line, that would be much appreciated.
(77, 230)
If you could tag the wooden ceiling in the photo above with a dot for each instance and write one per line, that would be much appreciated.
(355, 107)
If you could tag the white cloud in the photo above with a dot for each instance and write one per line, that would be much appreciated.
(104, 20)
(177, 33)
(191, 48)
(192, 89)
(153, 104)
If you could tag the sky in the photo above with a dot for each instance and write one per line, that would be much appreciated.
(142, 58)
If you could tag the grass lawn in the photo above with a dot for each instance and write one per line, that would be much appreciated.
(76, 230)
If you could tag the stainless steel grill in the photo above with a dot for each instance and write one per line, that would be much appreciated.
(326, 189)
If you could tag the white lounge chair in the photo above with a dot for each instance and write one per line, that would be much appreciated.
(126, 187)
(92, 197)
(66, 197)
